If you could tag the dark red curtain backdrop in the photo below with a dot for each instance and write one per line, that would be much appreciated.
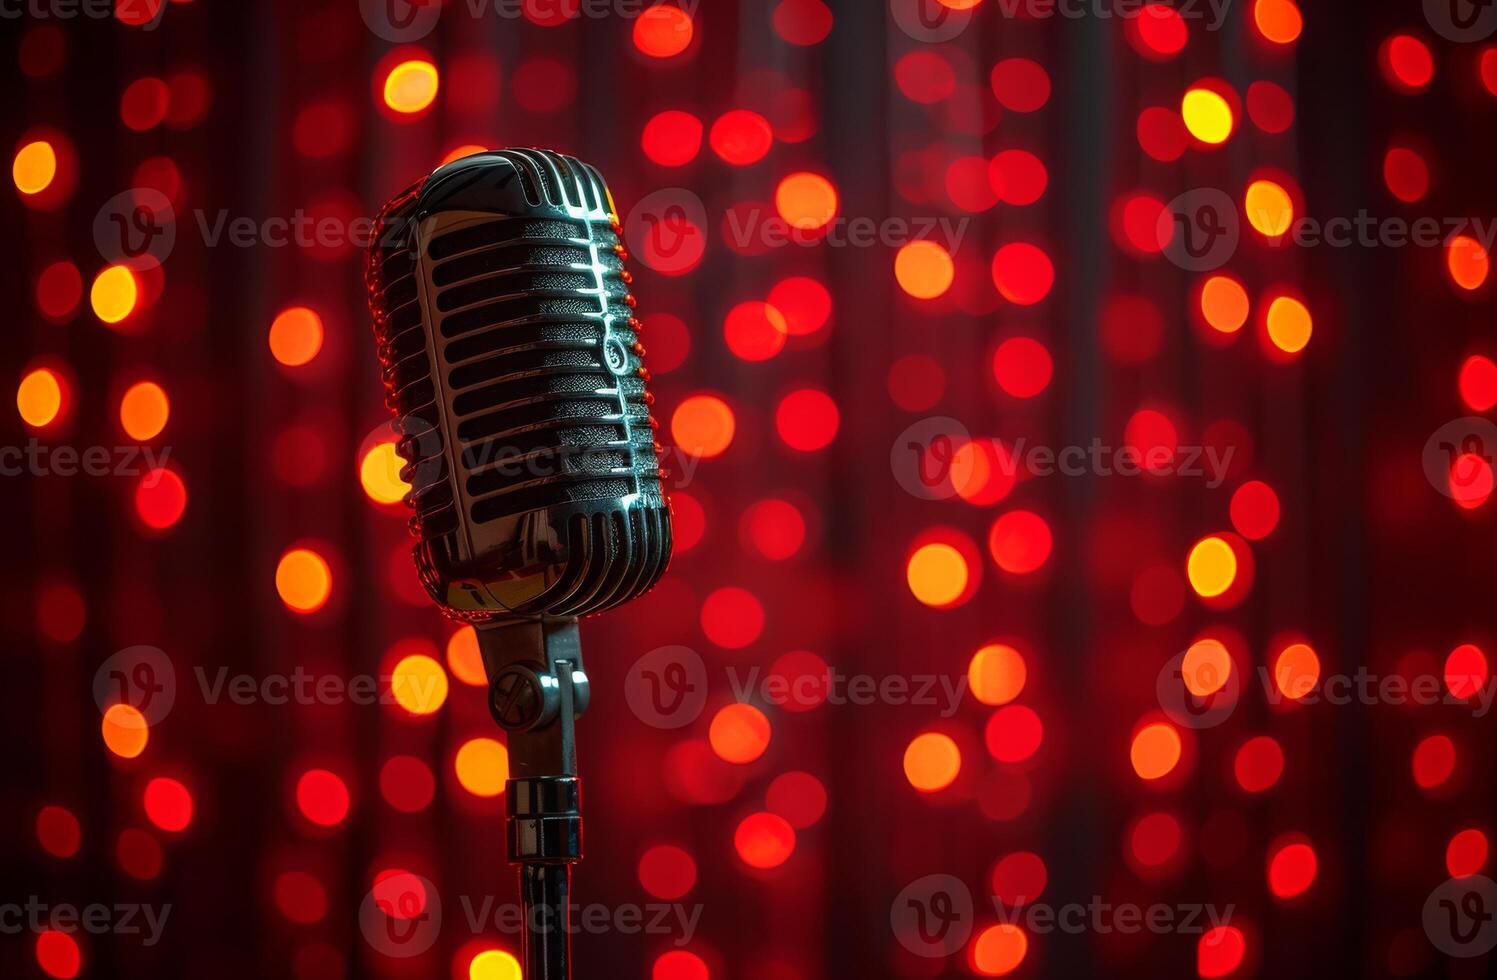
(889, 256)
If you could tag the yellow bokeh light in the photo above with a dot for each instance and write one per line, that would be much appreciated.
(494, 964)
(296, 336)
(464, 659)
(114, 294)
(303, 580)
(1212, 567)
(1296, 670)
(1155, 751)
(482, 767)
(806, 200)
(1206, 667)
(1269, 208)
(411, 86)
(144, 410)
(937, 574)
(39, 398)
(932, 762)
(419, 684)
(34, 167)
(125, 731)
(996, 674)
(1289, 324)
(1207, 115)
(1224, 304)
(924, 269)
(379, 472)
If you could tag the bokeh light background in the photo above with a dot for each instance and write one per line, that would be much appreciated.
(272, 538)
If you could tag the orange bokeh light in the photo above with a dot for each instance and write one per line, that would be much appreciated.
(999, 949)
(144, 410)
(1279, 21)
(41, 397)
(464, 659)
(1289, 324)
(1224, 304)
(114, 294)
(937, 574)
(1269, 208)
(924, 269)
(419, 684)
(303, 580)
(1156, 750)
(1467, 261)
(663, 31)
(996, 674)
(807, 201)
(1206, 667)
(482, 767)
(411, 86)
(34, 167)
(703, 426)
(1296, 670)
(296, 336)
(739, 733)
(125, 731)
(932, 761)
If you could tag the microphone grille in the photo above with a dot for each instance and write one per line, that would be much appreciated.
(513, 362)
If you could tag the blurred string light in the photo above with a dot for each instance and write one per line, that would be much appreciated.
(41, 397)
(303, 580)
(34, 167)
(144, 410)
(482, 766)
(296, 336)
(114, 294)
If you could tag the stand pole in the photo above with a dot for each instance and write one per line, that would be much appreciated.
(537, 688)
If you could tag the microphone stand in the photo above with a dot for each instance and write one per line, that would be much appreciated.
(537, 688)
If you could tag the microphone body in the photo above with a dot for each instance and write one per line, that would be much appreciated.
(512, 361)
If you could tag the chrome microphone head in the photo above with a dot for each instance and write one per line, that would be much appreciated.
(512, 361)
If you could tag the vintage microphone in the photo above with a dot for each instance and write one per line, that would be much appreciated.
(511, 359)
